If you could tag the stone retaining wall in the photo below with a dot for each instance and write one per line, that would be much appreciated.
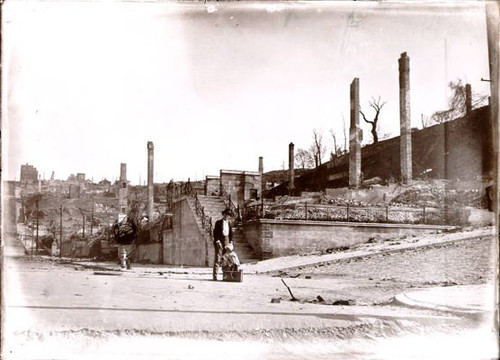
(275, 238)
(184, 244)
(150, 253)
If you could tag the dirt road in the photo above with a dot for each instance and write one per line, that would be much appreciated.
(58, 310)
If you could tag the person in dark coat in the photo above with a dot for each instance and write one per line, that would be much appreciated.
(223, 236)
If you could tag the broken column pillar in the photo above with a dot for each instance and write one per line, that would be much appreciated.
(404, 118)
(354, 138)
(468, 99)
(150, 180)
(291, 164)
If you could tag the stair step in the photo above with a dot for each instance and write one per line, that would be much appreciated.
(213, 207)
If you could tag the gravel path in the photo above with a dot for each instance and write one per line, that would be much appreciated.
(382, 276)
(465, 263)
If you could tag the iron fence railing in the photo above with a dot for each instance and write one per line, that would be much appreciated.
(385, 214)
(206, 223)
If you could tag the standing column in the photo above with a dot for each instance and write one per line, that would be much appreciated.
(468, 99)
(261, 173)
(291, 164)
(404, 118)
(123, 172)
(354, 138)
(123, 189)
(150, 180)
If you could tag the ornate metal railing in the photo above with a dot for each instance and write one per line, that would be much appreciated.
(206, 221)
(176, 191)
(373, 214)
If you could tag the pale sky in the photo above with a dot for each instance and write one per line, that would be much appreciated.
(215, 85)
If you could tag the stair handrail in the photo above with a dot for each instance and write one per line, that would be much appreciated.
(177, 190)
(226, 198)
(206, 221)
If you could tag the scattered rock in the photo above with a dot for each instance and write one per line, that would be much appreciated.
(320, 299)
(190, 287)
(344, 302)
(308, 277)
(275, 300)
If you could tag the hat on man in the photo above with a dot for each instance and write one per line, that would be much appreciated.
(226, 212)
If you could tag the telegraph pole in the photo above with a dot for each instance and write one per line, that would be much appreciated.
(83, 218)
(33, 225)
(92, 218)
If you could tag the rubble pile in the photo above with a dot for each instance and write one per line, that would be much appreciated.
(438, 197)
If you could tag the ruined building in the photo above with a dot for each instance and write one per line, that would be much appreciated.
(29, 174)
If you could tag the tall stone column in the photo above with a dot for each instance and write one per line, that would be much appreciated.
(123, 172)
(354, 138)
(150, 180)
(261, 173)
(404, 118)
(468, 99)
(123, 189)
(291, 170)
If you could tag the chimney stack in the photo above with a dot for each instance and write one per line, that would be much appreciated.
(468, 99)
(355, 138)
(123, 172)
(291, 162)
(404, 119)
(150, 180)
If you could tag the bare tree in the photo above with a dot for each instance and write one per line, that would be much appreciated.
(426, 121)
(318, 150)
(304, 159)
(337, 149)
(456, 103)
(377, 105)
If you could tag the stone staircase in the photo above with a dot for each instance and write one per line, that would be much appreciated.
(213, 207)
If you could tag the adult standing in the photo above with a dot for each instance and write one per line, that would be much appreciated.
(223, 236)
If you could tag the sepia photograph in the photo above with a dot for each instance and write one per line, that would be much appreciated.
(249, 179)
